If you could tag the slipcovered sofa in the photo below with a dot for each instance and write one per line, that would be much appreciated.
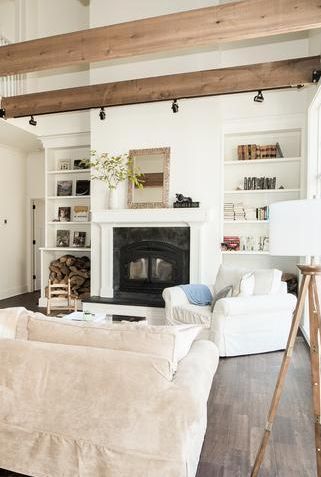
(255, 319)
(75, 403)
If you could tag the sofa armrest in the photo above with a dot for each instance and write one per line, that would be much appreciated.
(174, 296)
(255, 304)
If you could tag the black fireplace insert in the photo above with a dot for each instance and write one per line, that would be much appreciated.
(149, 259)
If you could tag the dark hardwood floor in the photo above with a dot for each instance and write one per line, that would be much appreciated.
(237, 409)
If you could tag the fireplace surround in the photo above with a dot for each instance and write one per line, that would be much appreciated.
(106, 221)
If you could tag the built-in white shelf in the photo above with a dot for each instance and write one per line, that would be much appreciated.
(69, 223)
(69, 249)
(245, 252)
(70, 171)
(246, 221)
(68, 197)
(278, 160)
(262, 191)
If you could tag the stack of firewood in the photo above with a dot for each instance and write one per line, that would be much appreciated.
(77, 269)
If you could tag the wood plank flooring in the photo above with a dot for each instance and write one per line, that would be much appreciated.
(237, 409)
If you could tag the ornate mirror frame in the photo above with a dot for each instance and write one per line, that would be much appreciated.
(165, 152)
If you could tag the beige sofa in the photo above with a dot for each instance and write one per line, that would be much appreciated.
(80, 411)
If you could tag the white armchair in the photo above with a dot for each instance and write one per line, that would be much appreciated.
(238, 325)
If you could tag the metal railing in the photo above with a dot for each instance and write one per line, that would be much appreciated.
(10, 85)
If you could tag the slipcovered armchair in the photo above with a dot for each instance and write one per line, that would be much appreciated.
(251, 323)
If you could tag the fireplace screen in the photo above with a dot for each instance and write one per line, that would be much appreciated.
(161, 270)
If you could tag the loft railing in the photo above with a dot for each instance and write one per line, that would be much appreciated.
(10, 85)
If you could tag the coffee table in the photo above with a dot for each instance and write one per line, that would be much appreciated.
(102, 317)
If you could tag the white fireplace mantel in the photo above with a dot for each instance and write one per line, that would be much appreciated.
(106, 220)
(151, 216)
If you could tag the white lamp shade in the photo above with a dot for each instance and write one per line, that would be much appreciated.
(295, 228)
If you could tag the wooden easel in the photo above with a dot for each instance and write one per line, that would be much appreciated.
(308, 286)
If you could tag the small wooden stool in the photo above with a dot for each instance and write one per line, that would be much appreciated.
(60, 291)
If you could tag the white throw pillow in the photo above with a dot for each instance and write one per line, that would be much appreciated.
(247, 284)
(229, 276)
(9, 318)
(267, 282)
(170, 342)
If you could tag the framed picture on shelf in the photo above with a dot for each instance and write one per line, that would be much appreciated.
(83, 187)
(81, 213)
(81, 164)
(64, 165)
(79, 239)
(64, 188)
(64, 214)
(63, 238)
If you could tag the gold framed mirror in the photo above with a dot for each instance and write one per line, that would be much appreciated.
(154, 165)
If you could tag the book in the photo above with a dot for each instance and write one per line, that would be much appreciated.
(64, 214)
(64, 188)
(83, 187)
(63, 238)
(79, 239)
(81, 213)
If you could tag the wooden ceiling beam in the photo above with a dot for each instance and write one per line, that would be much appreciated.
(239, 79)
(246, 19)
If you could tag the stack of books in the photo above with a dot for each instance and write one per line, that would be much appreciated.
(228, 211)
(231, 243)
(250, 213)
(262, 213)
(248, 152)
(239, 213)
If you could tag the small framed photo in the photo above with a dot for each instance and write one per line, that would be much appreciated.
(83, 187)
(79, 239)
(63, 238)
(64, 214)
(81, 164)
(81, 213)
(64, 188)
(64, 165)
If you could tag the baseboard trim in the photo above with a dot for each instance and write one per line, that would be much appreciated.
(13, 292)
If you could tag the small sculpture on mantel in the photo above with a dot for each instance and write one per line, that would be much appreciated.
(184, 202)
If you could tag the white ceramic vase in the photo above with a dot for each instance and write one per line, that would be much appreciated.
(111, 199)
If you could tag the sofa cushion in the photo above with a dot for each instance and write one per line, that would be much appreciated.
(229, 276)
(247, 284)
(170, 342)
(11, 319)
(267, 282)
(225, 292)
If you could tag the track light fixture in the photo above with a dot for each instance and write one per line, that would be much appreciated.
(259, 98)
(32, 121)
(102, 114)
(175, 106)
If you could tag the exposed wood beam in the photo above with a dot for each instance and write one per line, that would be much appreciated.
(196, 28)
(264, 76)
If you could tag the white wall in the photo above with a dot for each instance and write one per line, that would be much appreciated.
(8, 19)
(195, 133)
(13, 250)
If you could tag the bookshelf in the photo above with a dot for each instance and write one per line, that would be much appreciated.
(239, 216)
(67, 217)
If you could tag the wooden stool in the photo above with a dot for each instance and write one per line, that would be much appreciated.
(60, 291)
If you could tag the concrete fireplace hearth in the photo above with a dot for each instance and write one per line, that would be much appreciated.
(105, 280)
